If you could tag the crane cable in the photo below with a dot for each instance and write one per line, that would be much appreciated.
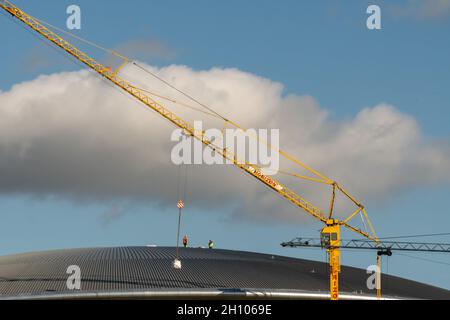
(113, 52)
(226, 120)
(418, 236)
(181, 195)
(83, 40)
(211, 111)
(424, 259)
(176, 102)
(179, 91)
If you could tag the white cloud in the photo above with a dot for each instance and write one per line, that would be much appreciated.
(73, 135)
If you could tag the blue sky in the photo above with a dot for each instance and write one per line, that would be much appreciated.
(322, 49)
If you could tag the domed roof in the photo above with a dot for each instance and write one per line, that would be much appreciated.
(149, 272)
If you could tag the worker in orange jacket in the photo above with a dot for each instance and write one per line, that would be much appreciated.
(185, 240)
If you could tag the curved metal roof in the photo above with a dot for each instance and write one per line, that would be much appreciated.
(148, 272)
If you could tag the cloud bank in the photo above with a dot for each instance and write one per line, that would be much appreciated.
(73, 135)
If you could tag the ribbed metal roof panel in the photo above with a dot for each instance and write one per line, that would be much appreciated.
(146, 268)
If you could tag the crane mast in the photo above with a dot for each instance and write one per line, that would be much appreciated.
(332, 226)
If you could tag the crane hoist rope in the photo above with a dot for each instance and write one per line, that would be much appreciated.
(177, 102)
(332, 229)
(210, 112)
(182, 178)
(417, 236)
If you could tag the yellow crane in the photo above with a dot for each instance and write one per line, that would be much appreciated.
(330, 233)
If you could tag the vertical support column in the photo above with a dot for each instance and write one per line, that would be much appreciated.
(378, 278)
(331, 240)
(335, 268)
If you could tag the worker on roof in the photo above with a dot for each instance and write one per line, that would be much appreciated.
(210, 244)
(185, 240)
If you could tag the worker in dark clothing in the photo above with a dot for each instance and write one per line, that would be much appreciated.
(210, 244)
(185, 240)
